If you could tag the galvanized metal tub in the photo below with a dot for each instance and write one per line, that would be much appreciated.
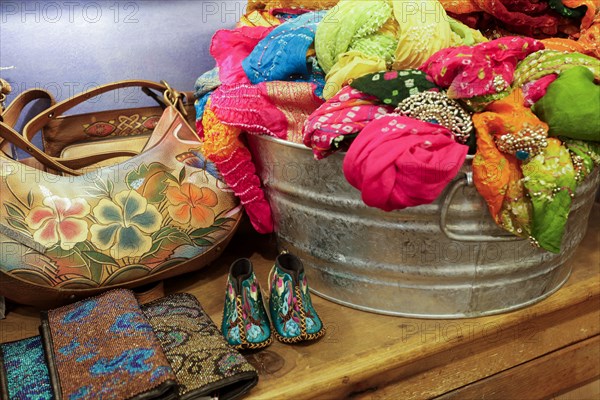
(447, 259)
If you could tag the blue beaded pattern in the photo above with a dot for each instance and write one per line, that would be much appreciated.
(105, 348)
(26, 370)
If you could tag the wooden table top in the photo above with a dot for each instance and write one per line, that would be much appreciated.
(366, 355)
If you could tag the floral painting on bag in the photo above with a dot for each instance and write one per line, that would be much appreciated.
(114, 224)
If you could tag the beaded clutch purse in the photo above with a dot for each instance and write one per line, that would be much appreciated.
(23, 370)
(104, 347)
(204, 364)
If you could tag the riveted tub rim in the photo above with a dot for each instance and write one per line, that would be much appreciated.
(302, 147)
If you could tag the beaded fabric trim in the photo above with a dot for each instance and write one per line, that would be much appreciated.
(528, 142)
(438, 108)
(23, 371)
(104, 347)
(202, 360)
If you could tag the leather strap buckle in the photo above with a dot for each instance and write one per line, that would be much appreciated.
(174, 98)
(5, 89)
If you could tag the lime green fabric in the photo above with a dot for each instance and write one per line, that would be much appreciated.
(462, 35)
(571, 106)
(350, 65)
(346, 23)
(588, 152)
(377, 45)
(546, 62)
(550, 181)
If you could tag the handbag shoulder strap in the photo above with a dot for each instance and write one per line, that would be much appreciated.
(9, 118)
(15, 108)
(170, 97)
(11, 114)
(10, 135)
(58, 109)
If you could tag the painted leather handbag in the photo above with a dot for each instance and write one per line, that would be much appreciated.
(87, 224)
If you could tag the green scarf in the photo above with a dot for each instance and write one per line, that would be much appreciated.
(346, 23)
(550, 181)
(571, 106)
(546, 62)
(391, 87)
(585, 156)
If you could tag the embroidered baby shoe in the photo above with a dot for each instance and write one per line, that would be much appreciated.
(245, 322)
(290, 305)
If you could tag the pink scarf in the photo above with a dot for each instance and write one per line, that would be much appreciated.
(398, 162)
(249, 108)
(535, 90)
(483, 69)
(230, 47)
(345, 114)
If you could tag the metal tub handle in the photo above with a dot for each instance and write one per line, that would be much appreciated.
(467, 180)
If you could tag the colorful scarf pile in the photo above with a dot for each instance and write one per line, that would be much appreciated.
(263, 86)
(372, 56)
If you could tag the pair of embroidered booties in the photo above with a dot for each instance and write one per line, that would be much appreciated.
(245, 322)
